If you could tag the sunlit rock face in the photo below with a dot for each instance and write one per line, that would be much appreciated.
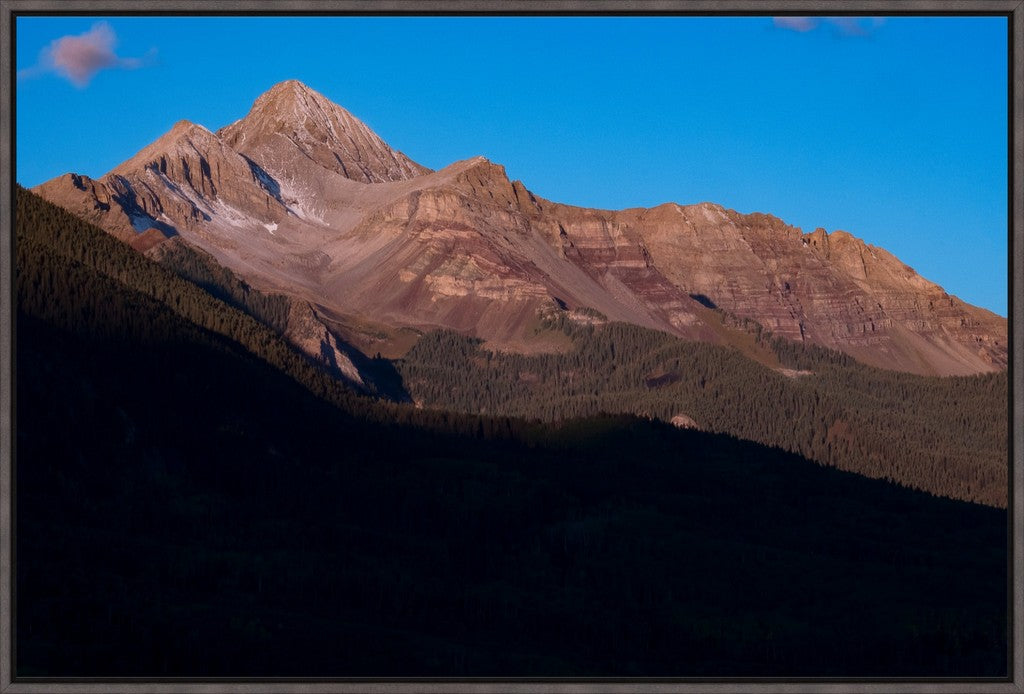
(301, 197)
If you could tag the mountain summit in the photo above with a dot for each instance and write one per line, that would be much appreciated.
(292, 123)
(300, 197)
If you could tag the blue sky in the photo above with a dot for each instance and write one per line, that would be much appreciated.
(893, 129)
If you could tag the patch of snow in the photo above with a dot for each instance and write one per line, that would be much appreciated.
(231, 215)
(300, 201)
(711, 213)
(272, 227)
(185, 195)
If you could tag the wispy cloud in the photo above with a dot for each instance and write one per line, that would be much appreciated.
(78, 58)
(840, 26)
(800, 24)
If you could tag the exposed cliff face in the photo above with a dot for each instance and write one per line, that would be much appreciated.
(307, 332)
(109, 203)
(183, 182)
(201, 177)
(828, 289)
(300, 197)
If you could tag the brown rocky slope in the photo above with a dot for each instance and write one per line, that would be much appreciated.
(302, 198)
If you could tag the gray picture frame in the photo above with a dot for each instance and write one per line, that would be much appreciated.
(1013, 9)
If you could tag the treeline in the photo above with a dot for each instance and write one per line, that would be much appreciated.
(947, 436)
(201, 269)
(800, 356)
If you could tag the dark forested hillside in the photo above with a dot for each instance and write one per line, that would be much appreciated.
(947, 436)
(193, 499)
(201, 269)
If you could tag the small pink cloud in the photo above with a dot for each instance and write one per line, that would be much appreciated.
(800, 24)
(841, 26)
(79, 58)
(855, 26)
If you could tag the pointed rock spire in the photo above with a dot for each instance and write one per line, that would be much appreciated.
(291, 122)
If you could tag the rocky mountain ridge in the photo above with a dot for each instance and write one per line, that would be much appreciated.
(300, 197)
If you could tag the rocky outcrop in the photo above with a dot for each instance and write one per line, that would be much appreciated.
(301, 198)
(97, 201)
(684, 421)
(309, 334)
(190, 175)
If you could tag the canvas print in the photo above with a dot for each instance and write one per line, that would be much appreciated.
(511, 347)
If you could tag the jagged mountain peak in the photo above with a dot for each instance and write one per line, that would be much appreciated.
(301, 196)
(187, 127)
(186, 131)
(480, 167)
(184, 139)
(291, 125)
(294, 102)
(290, 85)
